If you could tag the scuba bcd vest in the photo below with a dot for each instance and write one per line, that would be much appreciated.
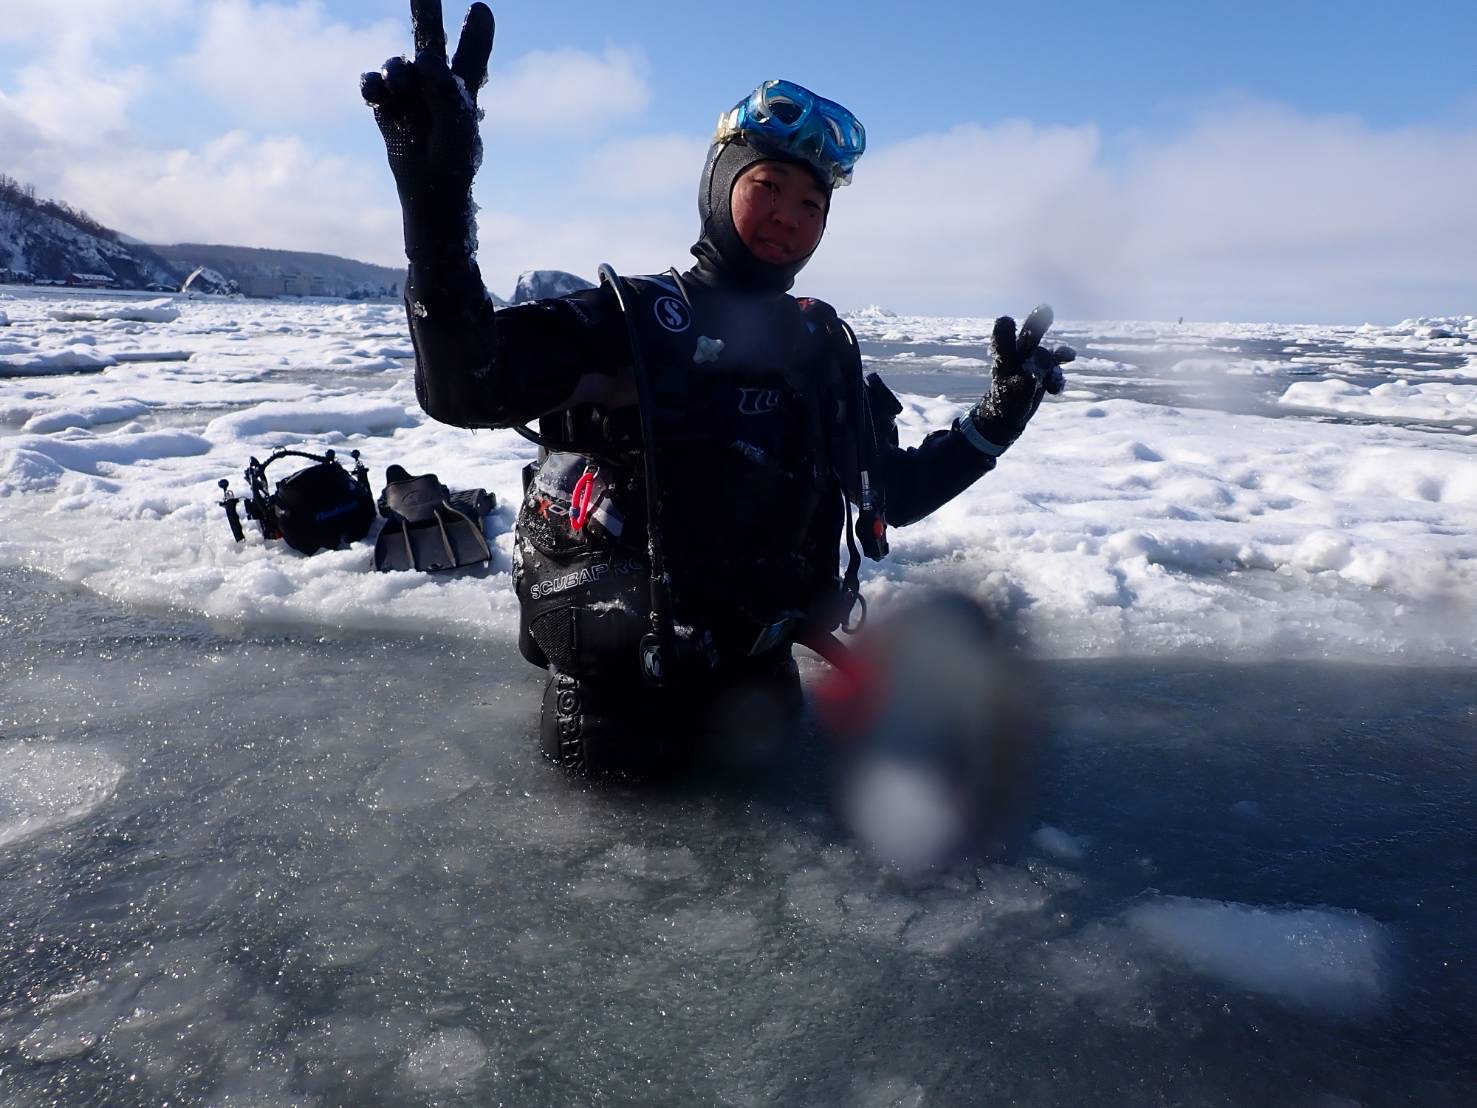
(703, 522)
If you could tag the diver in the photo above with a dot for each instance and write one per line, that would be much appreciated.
(704, 436)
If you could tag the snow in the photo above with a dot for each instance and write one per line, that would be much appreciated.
(1126, 521)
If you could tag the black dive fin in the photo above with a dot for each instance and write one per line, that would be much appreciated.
(429, 528)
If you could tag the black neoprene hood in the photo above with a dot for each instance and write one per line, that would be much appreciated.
(722, 256)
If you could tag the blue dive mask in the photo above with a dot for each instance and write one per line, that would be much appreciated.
(796, 122)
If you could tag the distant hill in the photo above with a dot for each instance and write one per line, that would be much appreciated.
(46, 240)
(261, 272)
(51, 241)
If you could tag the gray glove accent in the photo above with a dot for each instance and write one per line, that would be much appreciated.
(965, 426)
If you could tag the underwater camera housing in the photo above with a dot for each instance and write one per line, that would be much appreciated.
(318, 507)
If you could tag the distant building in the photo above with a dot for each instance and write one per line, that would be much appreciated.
(90, 281)
(16, 277)
(264, 287)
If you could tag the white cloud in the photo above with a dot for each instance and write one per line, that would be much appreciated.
(1253, 212)
(71, 100)
(84, 22)
(645, 242)
(275, 192)
(649, 166)
(567, 88)
(66, 127)
(272, 63)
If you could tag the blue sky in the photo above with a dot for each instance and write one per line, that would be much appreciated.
(1292, 161)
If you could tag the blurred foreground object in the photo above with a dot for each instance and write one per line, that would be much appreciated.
(936, 726)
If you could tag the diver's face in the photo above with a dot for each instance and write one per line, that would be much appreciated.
(779, 211)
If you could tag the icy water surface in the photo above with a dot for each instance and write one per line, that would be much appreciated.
(282, 870)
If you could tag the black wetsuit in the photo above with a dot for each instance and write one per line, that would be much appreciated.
(763, 425)
(761, 428)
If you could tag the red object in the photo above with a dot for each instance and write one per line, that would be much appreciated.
(853, 695)
(580, 500)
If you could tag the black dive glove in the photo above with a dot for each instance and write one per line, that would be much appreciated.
(427, 112)
(1024, 370)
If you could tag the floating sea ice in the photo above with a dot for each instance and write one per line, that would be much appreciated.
(27, 471)
(409, 782)
(83, 452)
(1331, 960)
(47, 785)
(150, 311)
(121, 356)
(872, 313)
(1056, 843)
(446, 1060)
(84, 415)
(69, 359)
(1248, 810)
(345, 415)
(1393, 400)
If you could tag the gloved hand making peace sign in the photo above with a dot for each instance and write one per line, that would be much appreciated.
(1024, 370)
(427, 112)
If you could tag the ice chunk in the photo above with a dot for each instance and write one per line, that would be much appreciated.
(446, 1060)
(347, 416)
(48, 785)
(27, 471)
(85, 415)
(1335, 961)
(1434, 400)
(122, 356)
(1058, 844)
(150, 311)
(69, 359)
(85, 453)
(1248, 810)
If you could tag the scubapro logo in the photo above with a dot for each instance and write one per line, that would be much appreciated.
(758, 401)
(672, 314)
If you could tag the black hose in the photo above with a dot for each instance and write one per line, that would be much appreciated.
(657, 646)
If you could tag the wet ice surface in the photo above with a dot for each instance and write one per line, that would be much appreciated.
(273, 831)
(335, 871)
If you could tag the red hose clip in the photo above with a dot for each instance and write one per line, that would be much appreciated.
(582, 499)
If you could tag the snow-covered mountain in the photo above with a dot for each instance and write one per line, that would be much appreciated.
(262, 272)
(50, 241)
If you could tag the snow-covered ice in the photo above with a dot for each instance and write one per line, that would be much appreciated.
(162, 310)
(1126, 521)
